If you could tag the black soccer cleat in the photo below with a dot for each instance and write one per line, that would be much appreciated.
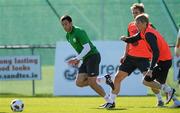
(160, 104)
(108, 105)
(103, 105)
(109, 81)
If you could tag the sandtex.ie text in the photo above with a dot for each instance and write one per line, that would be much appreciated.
(17, 76)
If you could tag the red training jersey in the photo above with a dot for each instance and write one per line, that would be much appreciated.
(165, 53)
(139, 48)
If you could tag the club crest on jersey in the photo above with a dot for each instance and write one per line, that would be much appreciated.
(74, 40)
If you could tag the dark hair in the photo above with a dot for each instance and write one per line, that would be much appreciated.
(139, 6)
(66, 17)
(142, 18)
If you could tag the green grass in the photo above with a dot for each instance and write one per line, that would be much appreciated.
(43, 104)
(86, 105)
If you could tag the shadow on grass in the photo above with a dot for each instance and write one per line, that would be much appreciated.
(111, 109)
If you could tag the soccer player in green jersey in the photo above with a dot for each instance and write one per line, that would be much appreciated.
(87, 52)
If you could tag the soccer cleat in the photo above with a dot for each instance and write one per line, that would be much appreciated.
(176, 104)
(110, 105)
(160, 104)
(170, 95)
(103, 105)
(109, 81)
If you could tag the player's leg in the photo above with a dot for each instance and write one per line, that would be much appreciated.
(82, 80)
(155, 87)
(158, 95)
(82, 77)
(147, 81)
(125, 69)
(106, 79)
(160, 74)
(165, 66)
(92, 68)
(96, 87)
(143, 66)
(119, 77)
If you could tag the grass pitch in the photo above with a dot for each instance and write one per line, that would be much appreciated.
(86, 105)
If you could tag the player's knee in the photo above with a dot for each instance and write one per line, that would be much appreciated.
(146, 81)
(92, 81)
(79, 83)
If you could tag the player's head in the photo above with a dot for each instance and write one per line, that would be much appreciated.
(137, 8)
(66, 22)
(142, 21)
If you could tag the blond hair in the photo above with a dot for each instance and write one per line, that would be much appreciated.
(139, 6)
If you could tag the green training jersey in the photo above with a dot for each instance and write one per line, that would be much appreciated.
(77, 38)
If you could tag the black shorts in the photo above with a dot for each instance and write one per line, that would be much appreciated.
(131, 63)
(91, 65)
(160, 72)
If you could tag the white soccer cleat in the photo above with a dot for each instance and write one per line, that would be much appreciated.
(176, 104)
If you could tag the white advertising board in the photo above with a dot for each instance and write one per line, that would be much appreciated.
(111, 52)
(20, 68)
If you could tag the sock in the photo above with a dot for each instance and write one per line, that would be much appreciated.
(159, 97)
(112, 77)
(102, 79)
(108, 98)
(165, 88)
(113, 97)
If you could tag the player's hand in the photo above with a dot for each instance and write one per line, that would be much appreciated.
(149, 73)
(122, 59)
(123, 38)
(73, 61)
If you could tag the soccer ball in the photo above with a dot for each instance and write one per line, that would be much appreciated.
(17, 105)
